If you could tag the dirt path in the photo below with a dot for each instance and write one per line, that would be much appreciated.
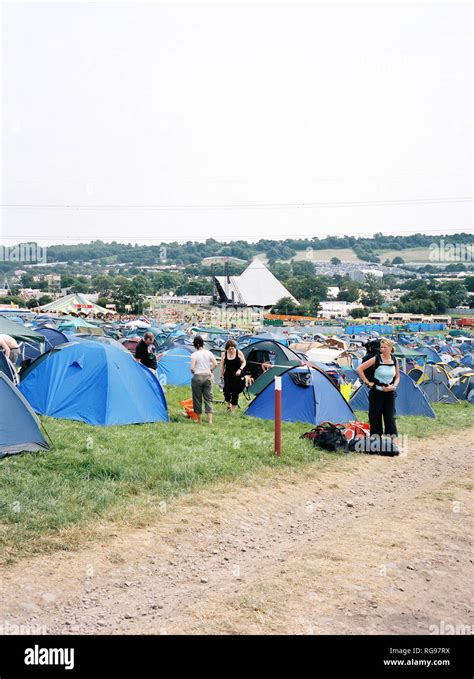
(375, 545)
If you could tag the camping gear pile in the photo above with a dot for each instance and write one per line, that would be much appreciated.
(351, 437)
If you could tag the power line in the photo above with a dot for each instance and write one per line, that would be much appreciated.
(239, 206)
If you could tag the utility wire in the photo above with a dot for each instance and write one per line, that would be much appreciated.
(237, 206)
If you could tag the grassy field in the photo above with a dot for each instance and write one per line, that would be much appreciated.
(122, 475)
(348, 255)
(408, 254)
(344, 254)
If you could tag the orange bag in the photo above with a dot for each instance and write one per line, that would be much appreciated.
(188, 408)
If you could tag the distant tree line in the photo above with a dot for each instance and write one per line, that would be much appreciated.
(192, 252)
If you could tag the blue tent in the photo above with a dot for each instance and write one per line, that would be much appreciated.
(52, 338)
(466, 347)
(80, 336)
(350, 373)
(468, 359)
(266, 335)
(463, 388)
(318, 402)
(95, 383)
(174, 366)
(432, 356)
(410, 399)
(19, 427)
(6, 367)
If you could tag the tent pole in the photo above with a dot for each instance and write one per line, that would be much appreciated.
(278, 415)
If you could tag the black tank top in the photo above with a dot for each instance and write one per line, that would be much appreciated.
(231, 365)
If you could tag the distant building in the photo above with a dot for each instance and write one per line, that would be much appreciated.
(31, 293)
(158, 300)
(378, 316)
(50, 278)
(392, 294)
(155, 267)
(256, 286)
(336, 309)
(416, 318)
(221, 259)
(360, 275)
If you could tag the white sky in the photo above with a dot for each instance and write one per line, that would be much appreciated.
(223, 104)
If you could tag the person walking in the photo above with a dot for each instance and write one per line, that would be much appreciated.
(145, 351)
(382, 390)
(231, 371)
(203, 363)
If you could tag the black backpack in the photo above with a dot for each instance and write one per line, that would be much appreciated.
(331, 440)
(373, 349)
(327, 435)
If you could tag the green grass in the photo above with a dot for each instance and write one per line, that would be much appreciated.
(52, 500)
(408, 254)
(421, 254)
(325, 255)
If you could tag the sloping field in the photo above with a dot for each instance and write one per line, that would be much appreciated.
(344, 254)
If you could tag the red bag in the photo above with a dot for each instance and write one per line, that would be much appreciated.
(356, 429)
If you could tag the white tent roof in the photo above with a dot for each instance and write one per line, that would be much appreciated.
(256, 286)
(323, 355)
(75, 303)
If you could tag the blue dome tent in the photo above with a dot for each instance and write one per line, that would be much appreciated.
(52, 338)
(95, 383)
(432, 356)
(314, 402)
(468, 359)
(19, 426)
(7, 368)
(410, 399)
(174, 366)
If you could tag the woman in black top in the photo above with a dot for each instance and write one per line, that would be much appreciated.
(231, 369)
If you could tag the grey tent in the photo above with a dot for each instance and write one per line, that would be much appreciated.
(19, 426)
(463, 388)
(19, 331)
(437, 392)
(410, 399)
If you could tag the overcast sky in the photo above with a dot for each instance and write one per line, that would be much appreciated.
(180, 105)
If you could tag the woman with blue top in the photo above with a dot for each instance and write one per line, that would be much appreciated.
(386, 377)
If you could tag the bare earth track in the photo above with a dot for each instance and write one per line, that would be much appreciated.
(373, 546)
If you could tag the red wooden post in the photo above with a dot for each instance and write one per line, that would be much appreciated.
(277, 415)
